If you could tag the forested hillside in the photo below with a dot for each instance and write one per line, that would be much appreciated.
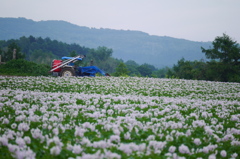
(141, 47)
(43, 51)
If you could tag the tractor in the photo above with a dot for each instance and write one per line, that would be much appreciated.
(66, 67)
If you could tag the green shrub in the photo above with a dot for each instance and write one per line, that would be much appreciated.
(22, 67)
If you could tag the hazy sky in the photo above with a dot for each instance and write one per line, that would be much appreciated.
(197, 20)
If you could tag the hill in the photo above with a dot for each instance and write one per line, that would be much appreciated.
(127, 45)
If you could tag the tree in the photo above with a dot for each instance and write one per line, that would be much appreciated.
(145, 70)
(225, 49)
(132, 68)
(121, 70)
(73, 54)
(133, 71)
(132, 63)
(183, 69)
(227, 52)
(41, 57)
(103, 53)
(189, 70)
(161, 73)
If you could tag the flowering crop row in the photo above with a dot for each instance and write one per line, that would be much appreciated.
(102, 117)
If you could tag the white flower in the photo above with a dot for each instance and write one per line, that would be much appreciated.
(20, 118)
(27, 139)
(125, 148)
(228, 137)
(49, 127)
(44, 125)
(23, 127)
(116, 131)
(150, 137)
(110, 155)
(14, 125)
(57, 141)
(235, 143)
(235, 155)
(110, 111)
(19, 134)
(184, 149)
(55, 131)
(36, 133)
(212, 156)
(188, 133)
(197, 141)
(100, 144)
(223, 153)
(20, 142)
(204, 114)
(208, 130)
(172, 149)
(198, 123)
(22, 154)
(11, 134)
(142, 147)
(234, 118)
(157, 145)
(69, 147)
(77, 149)
(209, 148)
(127, 136)
(169, 138)
(79, 132)
(85, 141)
(5, 121)
(56, 150)
(12, 148)
(4, 140)
(219, 127)
(115, 138)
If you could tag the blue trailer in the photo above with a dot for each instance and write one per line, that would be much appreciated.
(66, 67)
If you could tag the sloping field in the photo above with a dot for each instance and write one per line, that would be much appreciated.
(110, 117)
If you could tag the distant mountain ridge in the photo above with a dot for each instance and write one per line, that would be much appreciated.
(127, 45)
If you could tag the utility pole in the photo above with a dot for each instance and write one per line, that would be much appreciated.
(91, 62)
(1, 60)
(14, 53)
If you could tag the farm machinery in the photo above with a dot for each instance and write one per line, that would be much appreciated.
(66, 67)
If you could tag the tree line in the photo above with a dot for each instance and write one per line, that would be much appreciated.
(43, 51)
(223, 63)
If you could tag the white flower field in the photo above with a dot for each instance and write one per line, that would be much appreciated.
(118, 117)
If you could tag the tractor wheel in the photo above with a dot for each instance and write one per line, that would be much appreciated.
(67, 72)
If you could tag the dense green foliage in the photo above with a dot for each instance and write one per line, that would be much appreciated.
(121, 70)
(7, 54)
(225, 49)
(24, 68)
(224, 65)
(41, 50)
